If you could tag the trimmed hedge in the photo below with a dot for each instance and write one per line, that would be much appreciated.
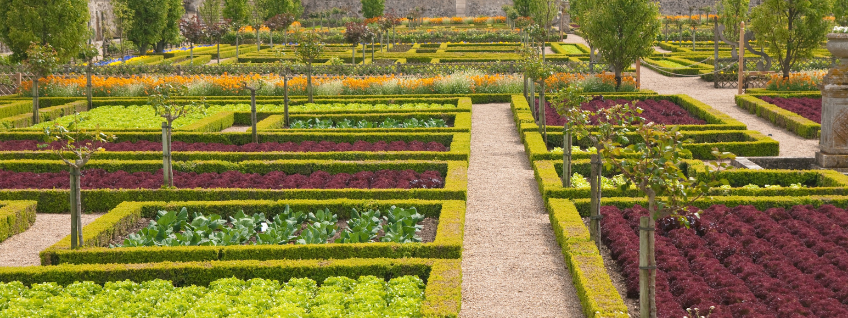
(461, 122)
(56, 200)
(46, 114)
(716, 120)
(120, 220)
(16, 217)
(14, 108)
(820, 182)
(781, 117)
(441, 295)
(761, 203)
(459, 145)
(597, 294)
(478, 98)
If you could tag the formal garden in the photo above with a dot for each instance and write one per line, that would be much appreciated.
(278, 158)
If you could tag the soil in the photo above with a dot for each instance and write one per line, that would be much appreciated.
(142, 223)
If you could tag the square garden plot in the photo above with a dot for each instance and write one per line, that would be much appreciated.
(255, 288)
(678, 110)
(743, 255)
(742, 182)
(288, 232)
(272, 146)
(107, 183)
(799, 113)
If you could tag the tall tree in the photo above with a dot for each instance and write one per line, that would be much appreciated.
(61, 24)
(543, 12)
(622, 30)
(840, 11)
(210, 12)
(522, 6)
(731, 14)
(791, 29)
(171, 32)
(147, 22)
(123, 19)
(237, 11)
(273, 8)
(373, 8)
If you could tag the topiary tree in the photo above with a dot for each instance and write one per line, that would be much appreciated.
(194, 31)
(354, 32)
(622, 31)
(75, 148)
(731, 14)
(791, 29)
(60, 24)
(168, 108)
(41, 60)
(309, 49)
(280, 22)
(373, 8)
(217, 31)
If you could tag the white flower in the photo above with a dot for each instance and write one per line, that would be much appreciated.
(840, 29)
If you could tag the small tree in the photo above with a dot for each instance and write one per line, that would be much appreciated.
(354, 32)
(217, 31)
(210, 12)
(731, 14)
(791, 29)
(42, 60)
(60, 24)
(171, 32)
(522, 7)
(236, 11)
(308, 50)
(280, 22)
(87, 53)
(193, 30)
(75, 148)
(166, 107)
(694, 22)
(373, 8)
(623, 31)
(146, 23)
(568, 102)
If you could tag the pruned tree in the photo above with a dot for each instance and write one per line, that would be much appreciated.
(373, 8)
(194, 31)
(41, 60)
(237, 11)
(168, 108)
(731, 14)
(210, 12)
(280, 22)
(791, 29)
(308, 50)
(171, 31)
(217, 31)
(74, 146)
(60, 24)
(354, 33)
(622, 31)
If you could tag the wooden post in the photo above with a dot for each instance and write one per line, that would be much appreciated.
(88, 84)
(566, 159)
(533, 103)
(166, 155)
(638, 74)
(741, 58)
(542, 118)
(35, 117)
(253, 115)
(19, 79)
(647, 268)
(76, 231)
(286, 100)
(595, 199)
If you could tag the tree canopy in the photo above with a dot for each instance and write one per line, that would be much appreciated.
(236, 11)
(272, 8)
(791, 29)
(61, 24)
(731, 14)
(373, 8)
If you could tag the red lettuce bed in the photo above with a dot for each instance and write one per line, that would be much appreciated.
(746, 263)
(101, 179)
(305, 146)
(658, 111)
(809, 108)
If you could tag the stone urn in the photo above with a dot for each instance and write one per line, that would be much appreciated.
(833, 145)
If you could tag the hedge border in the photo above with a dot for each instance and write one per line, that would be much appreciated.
(477, 98)
(716, 120)
(761, 203)
(56, 200)
(595, 290)
(459, 144)
(119, 221)
(442, 295)
(16, 217)
(778, 116)
(46, 114)
(829, 182)
(757, 145)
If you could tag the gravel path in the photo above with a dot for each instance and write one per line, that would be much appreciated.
(511, 263)
(236, 129)
(23, 249)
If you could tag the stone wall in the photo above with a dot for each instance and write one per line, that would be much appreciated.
(432, 8)
(100, 12)
(681, 7)
(489, 8)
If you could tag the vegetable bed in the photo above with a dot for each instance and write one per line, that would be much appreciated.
(659, 111)
(365, 296)
(780, 262)
(305, 146)
(809, 108)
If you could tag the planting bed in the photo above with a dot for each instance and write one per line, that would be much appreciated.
(809, 108)
(102, 179)
(305, 146)
(659, 111)
(780, 262)
(366, 296)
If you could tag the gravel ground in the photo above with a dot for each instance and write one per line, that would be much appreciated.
(511, 263)
(661, 50)
(23, 249)
(236, 129)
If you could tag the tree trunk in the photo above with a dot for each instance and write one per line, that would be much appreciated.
(88, 84)
(258, 42)
(566, 159)
(253, 115)
(76, 209)
(533, 101)
(218, 47)
(166, 156)
(286, 100)
(237, 48)
(35, 117)
(647, 262)
(309, 80)
(372, 51)
(363, 53)
(542, 104)
(191, 54)
(595, 200)
(353, 55)
(617, 78)
(271, 33)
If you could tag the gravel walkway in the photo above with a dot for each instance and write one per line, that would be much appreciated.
(511, 263)
(23, 249)
(236, 129)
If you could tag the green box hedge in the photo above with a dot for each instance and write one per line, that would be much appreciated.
(458, 144)
(120, 220)
(101, 200)
(781, 117)
(46, 114)
(761, 203)
(16, 217)
(820, 182)
(442, 295)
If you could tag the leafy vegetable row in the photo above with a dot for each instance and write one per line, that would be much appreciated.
(316, 123)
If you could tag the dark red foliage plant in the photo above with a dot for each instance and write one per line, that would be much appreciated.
(305, 146)
(658, 111)
(809, 108)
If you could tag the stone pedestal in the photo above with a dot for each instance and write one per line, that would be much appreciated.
(833, 145)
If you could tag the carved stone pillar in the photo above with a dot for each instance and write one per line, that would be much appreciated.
(833, 145)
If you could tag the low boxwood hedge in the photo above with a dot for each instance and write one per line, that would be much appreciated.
(16, 217)
(781, 117)
(442, 296)
(45, 113)
(458, 143)
(761, 203)
(820, 182)
(120, 220)
(56, 200)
